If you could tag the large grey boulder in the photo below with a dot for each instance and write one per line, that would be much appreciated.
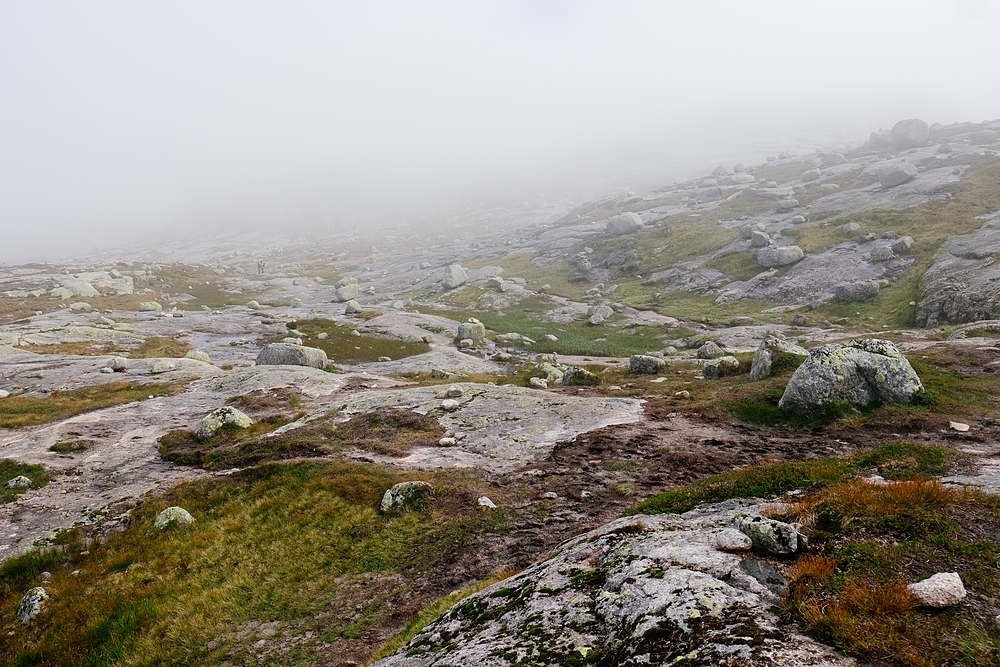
(638, 591)
(289, 354)
(773, 256)
(626, 223)
(856, 291)
(896, 173)
(149, 306)
(403, 494)
(118, 364)
(786, 205)
(774, 351)
(198, 355)
(215, 420)
(909, 133)
(759, 240)
(172, 516)
(747, 230)
(944, 589)
(32, 604)
(812, 175)
(454, 276)
(353, 308)
(601, 310)
(902, 245)
(473, 330)
(642, 364)
(770, 536)
(710, 350)
(859, 372)
(720, 367)
(348, 292)
(983, 137)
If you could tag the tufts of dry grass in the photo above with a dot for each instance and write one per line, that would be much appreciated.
(18, 411)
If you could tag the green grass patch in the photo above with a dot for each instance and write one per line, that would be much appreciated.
(9, 469)
(157, 347)
(16, 411)
(341, 346)
(69, 447)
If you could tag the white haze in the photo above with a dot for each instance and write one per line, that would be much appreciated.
(123, 118)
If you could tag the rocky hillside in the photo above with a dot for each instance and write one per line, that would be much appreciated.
(737, 420)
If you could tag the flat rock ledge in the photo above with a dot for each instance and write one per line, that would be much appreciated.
(644, 590)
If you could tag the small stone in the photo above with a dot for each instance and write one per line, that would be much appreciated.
(253, 305)
(486, 502)
(19, 482)
(447, 442)
(538, 383)
(171, 516)
(106, 370)
(450, 405)
(730, 539)
(944, 589)
(683, 393)
(958, 426)
(385, 358)
(552, 495)
(453, 391)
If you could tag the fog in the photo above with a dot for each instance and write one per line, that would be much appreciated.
(119, 119)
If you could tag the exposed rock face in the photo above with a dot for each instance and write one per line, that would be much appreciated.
(944, 589)
(909, 133)
(172, 516)
(289, 354)
(32, 604)
(859, 372)
(896, 173)
(403, 494)
(215, 420)
(856, 291)
(773, 350)
(638, 591)
(626, 223)
(643, 364)
(454, 276)
(773, 256)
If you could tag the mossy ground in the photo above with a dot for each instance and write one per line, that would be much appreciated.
(18, 411)
(341, 346)
(10, 469)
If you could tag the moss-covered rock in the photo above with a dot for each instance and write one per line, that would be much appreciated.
(775, 354)
(172, 516)
(405, 494)
(211, 423)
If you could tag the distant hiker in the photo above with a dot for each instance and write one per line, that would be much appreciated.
(260, 267)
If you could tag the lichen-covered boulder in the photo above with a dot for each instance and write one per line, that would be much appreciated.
(118, 364)
(81, 307)
(720, 367)
(786, 205)
(289, 354)
(896, 173)
(149, 306)
(644, 364)
(626, 223)
(198, 355)
(549, 372)
(32, 604)
(759, 240)
(347, 292)
(747, 230)
(775, 353)
(856, 291)
(172, 516)
(473, 330)
(909, 133)
(404, 494)
(773, 256)
(353, 308)
(770, 536)
(163, 366)
(711, 350)
(454, 276)
(859, 372)
(944, 589)
(215, 420)
(19, 482)
(576, 376)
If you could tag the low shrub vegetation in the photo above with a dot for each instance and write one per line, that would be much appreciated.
(10, 469)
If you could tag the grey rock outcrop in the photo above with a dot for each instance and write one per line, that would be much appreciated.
(474, 331)
(289, 354)
(759, 240)
(404, 494)
(909, 133)
(770, 536)
(626, 223)
(216, 419)
(944, 589)
(856, 291)
(638, 591)
(710, 350)
(859, 372)
(172, 516)
(773, 256)
(896, 173)
(347, 292)
(642, 364)
(983, 137)
(775, 351)
(454, 276)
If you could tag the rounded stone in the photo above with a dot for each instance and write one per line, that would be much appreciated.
(172, 516)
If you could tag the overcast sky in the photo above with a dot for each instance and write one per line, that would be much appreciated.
(121, 117)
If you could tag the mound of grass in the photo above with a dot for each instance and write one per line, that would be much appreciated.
(18, 411)
(341, 346)
(299, 545)
(71, 447)
(390, 431)
(235, 447)
(156, 347)
(9, 469)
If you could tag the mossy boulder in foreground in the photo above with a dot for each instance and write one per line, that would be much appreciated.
(859, 373)
(289, 354)
(171, 516)
(215, 420)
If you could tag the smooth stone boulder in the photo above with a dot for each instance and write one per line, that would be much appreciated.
(484, 501)
(450, 405)
(902, 245)
(163, 367)
(347, 292)
(118, 364)
(770, 536)
(4, 393)
(710, 350)
(253, 304)
(856, 291)
(32, 604)
(909, 133)
(149, 306)
(811, 175)
(353, 308)
(215, 420)
(774, 256)
(19, 482)
(759, 240)
(747, 230)
(576, 376)
(880, 140)
(474, 331)
(786, 205)
(538, 383)
(775, 351)
(741, 179)
(730, 539)
(643, 364)
(742, 321)
(859, 373)
(944, 589)
(347, 280)
(828, 188)
(602, 311)
(81, 307)
(198, 355)
(797, 219)
(850, 228)
(496, 282)
(896, 173)
(834, 158)
(626, 223)
(404, 494)
(983, 137)
(289, 354)
(172, 516)
(454, 276)
(721, 367)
